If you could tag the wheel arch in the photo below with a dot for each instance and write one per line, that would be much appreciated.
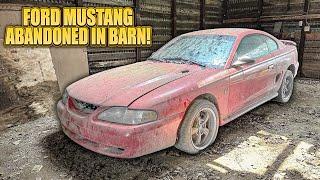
(292, 68)
(207, 96)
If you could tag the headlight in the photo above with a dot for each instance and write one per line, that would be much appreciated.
(65, 97)
(124, 115)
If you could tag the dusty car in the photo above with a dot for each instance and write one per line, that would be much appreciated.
(181, 95)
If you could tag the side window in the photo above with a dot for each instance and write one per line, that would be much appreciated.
(252, 46)
(272, 45)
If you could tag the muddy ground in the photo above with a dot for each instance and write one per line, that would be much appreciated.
(273, 141)
(28, 86)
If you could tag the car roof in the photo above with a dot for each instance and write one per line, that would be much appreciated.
(226, 31)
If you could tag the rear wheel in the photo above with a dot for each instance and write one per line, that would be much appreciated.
(286, 88)
(199, 128)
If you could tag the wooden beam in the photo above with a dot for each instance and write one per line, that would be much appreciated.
(288, 6)
(302, 38)
(202, 14)
(225, 10)
(260, 9)
(79, 2)
(173, 18)
(136, 5)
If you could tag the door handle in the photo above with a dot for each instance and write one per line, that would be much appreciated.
(271, 66)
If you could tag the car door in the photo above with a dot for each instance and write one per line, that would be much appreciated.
(251, 81)
(259, 77)
(273, 62)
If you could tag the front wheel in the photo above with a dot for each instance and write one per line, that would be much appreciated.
(286, 88)
(199, 128)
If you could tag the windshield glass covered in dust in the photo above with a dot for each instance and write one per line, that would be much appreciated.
(206, 50)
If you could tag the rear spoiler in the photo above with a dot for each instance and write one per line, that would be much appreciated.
(288, 43)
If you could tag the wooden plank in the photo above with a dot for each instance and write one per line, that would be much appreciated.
(290, 17)
(311, 74)
(242, 20)
(312, 50)
(313, 36)
(42, 2)
(109, 2)
(156, 22)
(114, 56)
(146, 53)
(312, 44)
(311, 57)
(161, 37)
(108, 64)
(311, 65)
(92, 50)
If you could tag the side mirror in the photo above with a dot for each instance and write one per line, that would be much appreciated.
(243, 60)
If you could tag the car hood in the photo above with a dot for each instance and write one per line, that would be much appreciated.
(121, 86)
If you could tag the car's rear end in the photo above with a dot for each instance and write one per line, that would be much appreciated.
(291, 46)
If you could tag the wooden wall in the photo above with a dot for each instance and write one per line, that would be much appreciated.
(281, 18)
(168, 18)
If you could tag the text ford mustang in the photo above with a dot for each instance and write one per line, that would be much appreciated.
(180, 95)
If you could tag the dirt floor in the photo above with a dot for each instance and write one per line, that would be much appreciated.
(274, 141)
(28, 85)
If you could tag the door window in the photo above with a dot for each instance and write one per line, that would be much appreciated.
(272, 45)
(253, 47)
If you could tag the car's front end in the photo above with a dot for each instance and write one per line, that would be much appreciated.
(95, 128)
(100, 113)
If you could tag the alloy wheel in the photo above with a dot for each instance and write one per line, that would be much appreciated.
(202, 128)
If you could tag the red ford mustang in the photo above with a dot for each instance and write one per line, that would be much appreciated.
(180, 95)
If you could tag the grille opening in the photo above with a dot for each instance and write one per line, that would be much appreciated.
(83, 106)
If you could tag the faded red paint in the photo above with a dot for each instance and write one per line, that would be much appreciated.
(164, 88)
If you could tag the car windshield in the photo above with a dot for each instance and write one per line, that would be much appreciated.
(205, 50)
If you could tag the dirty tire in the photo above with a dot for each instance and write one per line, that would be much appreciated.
(286, 88)
(201, 118)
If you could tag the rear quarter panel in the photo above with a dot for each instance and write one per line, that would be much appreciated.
(286, 56)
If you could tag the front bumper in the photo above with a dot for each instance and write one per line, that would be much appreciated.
(117, 140)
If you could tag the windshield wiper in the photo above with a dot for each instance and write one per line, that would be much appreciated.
(184, 61)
